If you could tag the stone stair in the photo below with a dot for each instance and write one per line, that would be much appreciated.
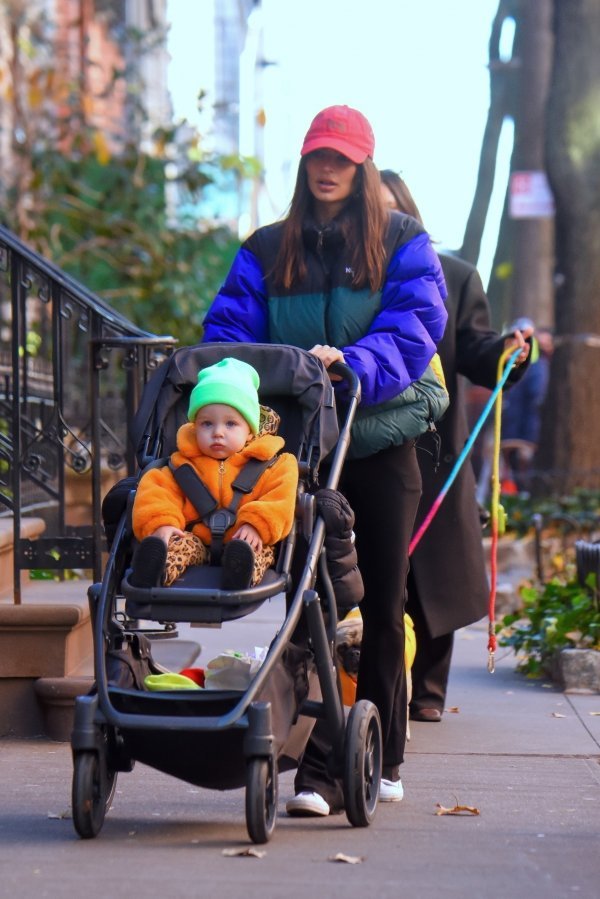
(47, 658)
(48, 635)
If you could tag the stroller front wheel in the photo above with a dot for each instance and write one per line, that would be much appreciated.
(92, 792)
(261, 798)
(362, 763)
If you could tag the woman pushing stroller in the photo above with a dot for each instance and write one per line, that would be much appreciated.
(226, 428)
(349, 281)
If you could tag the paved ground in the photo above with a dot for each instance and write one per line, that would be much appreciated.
(525, 755)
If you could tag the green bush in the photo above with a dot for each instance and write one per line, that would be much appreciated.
(581, 508)
(554, 616)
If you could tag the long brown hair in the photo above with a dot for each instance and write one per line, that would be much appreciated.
(401, 194)
(363, 222)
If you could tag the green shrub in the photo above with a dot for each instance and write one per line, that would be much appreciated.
(554, 616)
(581, 509)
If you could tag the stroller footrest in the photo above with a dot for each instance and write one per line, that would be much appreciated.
(203, 603)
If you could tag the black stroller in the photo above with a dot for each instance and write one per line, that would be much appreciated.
(226, 739)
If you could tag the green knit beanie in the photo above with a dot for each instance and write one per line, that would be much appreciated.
(232, 383)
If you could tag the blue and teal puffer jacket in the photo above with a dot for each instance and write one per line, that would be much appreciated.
(388, 336)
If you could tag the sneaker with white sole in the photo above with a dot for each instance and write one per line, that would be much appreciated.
(391, 790)
(307, 805)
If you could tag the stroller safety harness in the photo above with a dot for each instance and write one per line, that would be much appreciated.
(217, 518)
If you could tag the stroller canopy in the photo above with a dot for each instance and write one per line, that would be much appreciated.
(292, 382)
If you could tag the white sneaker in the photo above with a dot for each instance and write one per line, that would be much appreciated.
(391, 790)
(307, 805)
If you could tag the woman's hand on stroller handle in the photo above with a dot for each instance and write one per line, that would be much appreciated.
(327, 354)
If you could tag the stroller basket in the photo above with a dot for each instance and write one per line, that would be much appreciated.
(214, 716)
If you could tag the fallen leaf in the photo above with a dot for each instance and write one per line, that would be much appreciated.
(249, 851)
(457, 810)
(348, 859)
(65, 814)
(454, 709)
(558, 715)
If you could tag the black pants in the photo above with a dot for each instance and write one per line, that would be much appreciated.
(384, 491)
(431, 668)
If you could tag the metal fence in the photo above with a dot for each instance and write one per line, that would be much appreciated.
(71, 375)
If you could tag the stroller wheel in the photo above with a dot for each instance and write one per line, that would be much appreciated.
(362, 763)
(261, 798)
(92, 792)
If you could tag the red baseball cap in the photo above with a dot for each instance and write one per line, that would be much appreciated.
(343, 129)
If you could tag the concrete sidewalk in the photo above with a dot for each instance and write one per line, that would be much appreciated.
(524, 754)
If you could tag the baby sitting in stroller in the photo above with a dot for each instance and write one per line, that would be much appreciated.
(227, 432)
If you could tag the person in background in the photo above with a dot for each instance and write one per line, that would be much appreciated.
(447, 583)
(349, 281)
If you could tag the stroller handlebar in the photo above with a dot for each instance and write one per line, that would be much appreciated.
(351, 401)
(348, 375)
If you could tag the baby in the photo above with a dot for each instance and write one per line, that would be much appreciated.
(222, 434)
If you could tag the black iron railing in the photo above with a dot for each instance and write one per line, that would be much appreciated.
(71, 374)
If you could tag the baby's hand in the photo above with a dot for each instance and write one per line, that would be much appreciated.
(166, 532)
(250, 535)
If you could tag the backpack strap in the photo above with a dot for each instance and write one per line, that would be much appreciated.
(219, 520)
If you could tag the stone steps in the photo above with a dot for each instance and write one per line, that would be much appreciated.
(47, 658)
(48, 635)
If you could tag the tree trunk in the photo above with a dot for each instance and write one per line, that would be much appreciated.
(501, 79)
(521, 279)
(500, 283)
(568, 455)
(532, 293)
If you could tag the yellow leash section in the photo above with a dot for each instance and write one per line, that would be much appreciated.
(497, 513)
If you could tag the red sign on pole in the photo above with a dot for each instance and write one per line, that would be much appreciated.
(530, 196)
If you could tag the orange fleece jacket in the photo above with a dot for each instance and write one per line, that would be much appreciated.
(269, 507)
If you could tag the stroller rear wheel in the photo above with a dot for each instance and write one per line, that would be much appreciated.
(261, 798)
(92, 792)
(362, 763)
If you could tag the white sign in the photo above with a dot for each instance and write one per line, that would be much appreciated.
(530, 196)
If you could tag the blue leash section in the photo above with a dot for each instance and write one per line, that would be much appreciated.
(486, 411)
(465, 450)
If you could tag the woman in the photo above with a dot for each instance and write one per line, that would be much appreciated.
(447, 585)
(346, 280)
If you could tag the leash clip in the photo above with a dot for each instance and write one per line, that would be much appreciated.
(490, 664)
